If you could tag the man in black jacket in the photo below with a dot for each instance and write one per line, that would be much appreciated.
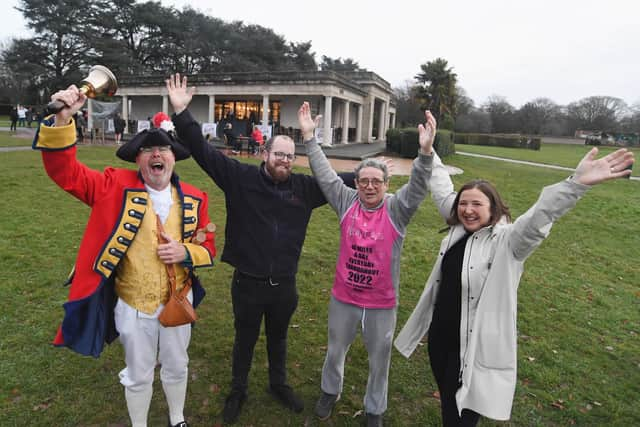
(268, 210)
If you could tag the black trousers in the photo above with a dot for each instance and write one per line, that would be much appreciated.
(253, 298)
(445, 365)
(252, 145)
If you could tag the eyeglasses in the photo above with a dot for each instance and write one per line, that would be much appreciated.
(279, 155)
(161, 148)
(375, 182)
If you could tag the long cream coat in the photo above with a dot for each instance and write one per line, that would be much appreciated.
(493, 263)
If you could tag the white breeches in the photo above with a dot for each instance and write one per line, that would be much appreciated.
(146, 342)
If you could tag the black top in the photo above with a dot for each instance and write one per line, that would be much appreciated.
(266, 221)
(445, 324)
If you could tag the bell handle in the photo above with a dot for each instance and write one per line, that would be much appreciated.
(55, 106)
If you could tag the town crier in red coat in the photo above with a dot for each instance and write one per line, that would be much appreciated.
(120, 282)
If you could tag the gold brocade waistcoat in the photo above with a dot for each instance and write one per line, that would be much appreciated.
(141, 278)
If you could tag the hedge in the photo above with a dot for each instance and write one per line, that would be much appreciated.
(513, 141)
(405, 142)
(393, 140)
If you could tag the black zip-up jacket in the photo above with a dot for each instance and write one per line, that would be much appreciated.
(266, 221)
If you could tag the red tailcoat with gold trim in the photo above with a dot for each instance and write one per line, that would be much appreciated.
(118, 202)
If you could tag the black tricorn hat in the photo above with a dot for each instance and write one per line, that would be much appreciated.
(151, 138)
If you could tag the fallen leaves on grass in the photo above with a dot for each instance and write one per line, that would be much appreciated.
(16, 396)
(586, 408)
(44, 405)
(559, 404)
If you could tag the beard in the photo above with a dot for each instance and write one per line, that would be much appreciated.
(278, 174)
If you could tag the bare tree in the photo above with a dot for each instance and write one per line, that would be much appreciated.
(503, 117)
(597, 113)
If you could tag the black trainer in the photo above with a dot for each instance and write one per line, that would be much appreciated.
(374, 420)
(180, 424)
(325, 405)
(233, 405)
(285, 395)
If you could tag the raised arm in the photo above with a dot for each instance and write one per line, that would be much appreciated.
(179, 93)
(56, 138)
(338, 195)
(531, 228)
(218, 166)
(408, 198)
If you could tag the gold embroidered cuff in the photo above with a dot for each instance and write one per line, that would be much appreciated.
(200, 256)
(55, 138)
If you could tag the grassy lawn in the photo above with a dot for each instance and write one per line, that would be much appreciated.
(567, 155)
(6, 122)
(8, 139)
(579, 305)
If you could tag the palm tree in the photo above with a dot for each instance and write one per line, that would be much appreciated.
(437, 83)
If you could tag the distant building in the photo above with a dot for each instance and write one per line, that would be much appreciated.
(359, 102)
(580, 133)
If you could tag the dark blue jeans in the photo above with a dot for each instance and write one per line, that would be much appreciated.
(253, 298)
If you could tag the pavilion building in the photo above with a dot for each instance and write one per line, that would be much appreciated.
(355, 106)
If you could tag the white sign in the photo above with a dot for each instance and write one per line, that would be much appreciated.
(209, 129)
(143, 125)
(266, 132)
(318, 133)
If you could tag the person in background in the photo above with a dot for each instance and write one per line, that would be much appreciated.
(231, 138)
(13, 117)
(468, 308)
(268, 210)
(22, 115)
(367, 279)
(28, 115)
(120, 282)
(80, 125)
(118, 126)
(255, 141)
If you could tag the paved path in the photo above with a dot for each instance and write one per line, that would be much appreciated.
(524, 162)
(19, 148)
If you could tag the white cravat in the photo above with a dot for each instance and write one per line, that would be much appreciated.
(162, 201)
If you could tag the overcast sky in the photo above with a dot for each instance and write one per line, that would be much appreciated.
(560, 49)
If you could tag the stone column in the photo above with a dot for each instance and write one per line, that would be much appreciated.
(265, 110)
(382, 121)
(345, 120)
(212, 109)
(125, 108)
(393, 120)
(359, 124)
(327, 137)
(165, 104)
(372, 106)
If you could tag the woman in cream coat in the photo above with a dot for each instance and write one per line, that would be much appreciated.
(484, 255)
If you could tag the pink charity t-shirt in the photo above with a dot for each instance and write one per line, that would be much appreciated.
(363, 271)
